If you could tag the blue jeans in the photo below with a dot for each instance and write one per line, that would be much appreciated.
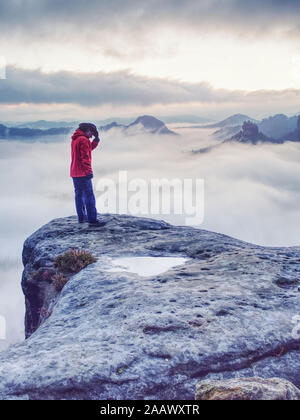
(85, 199)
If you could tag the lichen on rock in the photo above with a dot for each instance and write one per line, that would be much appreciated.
(247, 389)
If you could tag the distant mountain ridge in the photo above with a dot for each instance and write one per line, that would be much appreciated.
(233, 120)
(294, 135)
(250, 134)
(46, 125)
(275, 127)
(146, 123)
(15, 132)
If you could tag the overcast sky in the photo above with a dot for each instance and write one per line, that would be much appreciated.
(100, 58)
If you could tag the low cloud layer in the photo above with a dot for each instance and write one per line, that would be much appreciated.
(251, 192)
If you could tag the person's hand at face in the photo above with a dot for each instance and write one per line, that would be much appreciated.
(89, 133)
(96, 134)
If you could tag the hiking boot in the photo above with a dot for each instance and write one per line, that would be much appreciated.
(97, 223)
(83, 220)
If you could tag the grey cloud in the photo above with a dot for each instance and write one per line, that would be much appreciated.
(89, 18)
(119, 88)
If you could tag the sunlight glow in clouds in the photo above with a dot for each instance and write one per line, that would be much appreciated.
(233, 45)
(225, 62)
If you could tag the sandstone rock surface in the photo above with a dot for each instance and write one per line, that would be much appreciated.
(226, 313)
(248, 389)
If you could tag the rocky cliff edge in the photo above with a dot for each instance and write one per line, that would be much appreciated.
(226, 313)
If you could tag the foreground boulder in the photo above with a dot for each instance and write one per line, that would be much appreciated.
(247, 389)
(227, 312)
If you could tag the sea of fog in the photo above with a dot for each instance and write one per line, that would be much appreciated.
(251, 192)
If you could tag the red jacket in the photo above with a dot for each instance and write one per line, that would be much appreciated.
(81, 147)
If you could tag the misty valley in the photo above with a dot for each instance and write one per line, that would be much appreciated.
(251, 192)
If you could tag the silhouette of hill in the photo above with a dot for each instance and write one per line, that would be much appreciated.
(145, 123)
(278, 125)
(233, 120)
(251, 134)
(16, 132)
(294, 135)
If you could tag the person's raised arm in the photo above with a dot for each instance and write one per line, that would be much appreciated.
(96, 140)
(95, 143)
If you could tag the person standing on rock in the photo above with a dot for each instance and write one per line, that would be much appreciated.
(82, 173)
